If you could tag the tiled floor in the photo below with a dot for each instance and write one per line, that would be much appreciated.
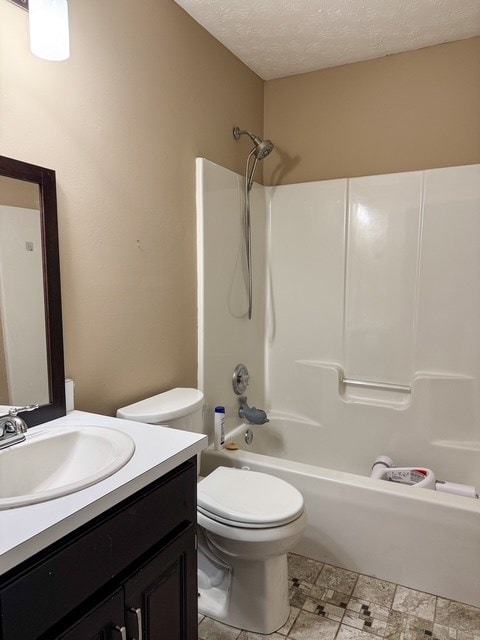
(328, 603)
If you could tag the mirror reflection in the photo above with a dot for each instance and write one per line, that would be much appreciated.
(24, 375)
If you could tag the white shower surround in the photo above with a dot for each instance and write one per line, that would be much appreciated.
(433, 334)
(415, 238)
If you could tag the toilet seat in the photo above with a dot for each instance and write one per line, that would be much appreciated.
(248, 499)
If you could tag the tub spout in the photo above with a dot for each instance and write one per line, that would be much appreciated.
(251, 414)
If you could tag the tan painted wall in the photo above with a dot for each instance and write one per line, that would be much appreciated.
(144, 92)
(404, 112)
(19, 193)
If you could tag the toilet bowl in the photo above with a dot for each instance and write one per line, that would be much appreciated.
(248, 522)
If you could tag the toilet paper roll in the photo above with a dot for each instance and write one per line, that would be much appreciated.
(458, 489)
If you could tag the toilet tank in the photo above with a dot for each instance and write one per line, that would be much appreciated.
(180, 408)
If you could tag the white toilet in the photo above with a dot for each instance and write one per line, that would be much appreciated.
(248, 521)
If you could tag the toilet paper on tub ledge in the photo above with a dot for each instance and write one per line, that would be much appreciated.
(458, 489)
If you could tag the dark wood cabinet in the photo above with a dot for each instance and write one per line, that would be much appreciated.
(158, 596)
(104, 622)
(130, 573)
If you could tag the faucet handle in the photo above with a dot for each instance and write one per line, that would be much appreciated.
(14, 411)
(13, 427)
(241, 379)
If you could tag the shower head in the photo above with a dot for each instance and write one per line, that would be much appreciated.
(261, 149)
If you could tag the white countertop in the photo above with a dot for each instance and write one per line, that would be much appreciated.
(26, 530)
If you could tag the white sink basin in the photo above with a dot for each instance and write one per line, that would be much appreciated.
(56, 461)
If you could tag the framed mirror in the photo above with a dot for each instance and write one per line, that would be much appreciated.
(31, 335)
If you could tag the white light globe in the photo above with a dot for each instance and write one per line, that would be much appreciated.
(49, 34)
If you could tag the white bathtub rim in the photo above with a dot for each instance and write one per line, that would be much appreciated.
(241, 458)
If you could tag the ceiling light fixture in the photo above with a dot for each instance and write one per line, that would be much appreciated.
(49, 32)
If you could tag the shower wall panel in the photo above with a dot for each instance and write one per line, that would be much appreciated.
(225, 335)
(377, 278)
(448, 331)
(380, 292)
(306, 282)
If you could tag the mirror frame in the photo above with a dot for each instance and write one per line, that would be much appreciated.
(45, 179)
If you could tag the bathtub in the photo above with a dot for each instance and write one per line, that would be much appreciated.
(419, 538)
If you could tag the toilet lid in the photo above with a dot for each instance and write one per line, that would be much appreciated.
(240, 497)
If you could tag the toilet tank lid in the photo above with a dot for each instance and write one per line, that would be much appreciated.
(169, 405)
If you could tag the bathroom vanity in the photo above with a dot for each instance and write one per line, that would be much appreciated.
(114, 560)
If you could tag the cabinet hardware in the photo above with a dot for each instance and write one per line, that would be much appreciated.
(138, 620)
(122, 631)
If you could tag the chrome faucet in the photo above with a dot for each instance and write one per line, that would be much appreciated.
(251, 414)
(13, 427)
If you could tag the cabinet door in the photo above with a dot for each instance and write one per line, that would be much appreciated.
(161, 598)
(105, 622)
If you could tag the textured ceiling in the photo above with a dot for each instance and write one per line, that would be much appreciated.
(277, 38)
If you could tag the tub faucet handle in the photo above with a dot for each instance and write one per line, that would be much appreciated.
(251, 414)
(241, 379)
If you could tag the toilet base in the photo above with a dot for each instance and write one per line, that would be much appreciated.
(258, 596)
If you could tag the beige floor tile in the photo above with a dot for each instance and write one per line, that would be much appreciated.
(368, 609)
(372, 626)
(210, 629)
(309, 626)
(330, 596)
(464, 635)
(328, 611)
(442, 632)
(300, 585)
(297, 597)
(337, 579)
(414, 602)
(350, 633)
(248, 635)
(285, 630)
(460, 616)
(374, 590)
(369, 617)
(402, 626)
(303, 568)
